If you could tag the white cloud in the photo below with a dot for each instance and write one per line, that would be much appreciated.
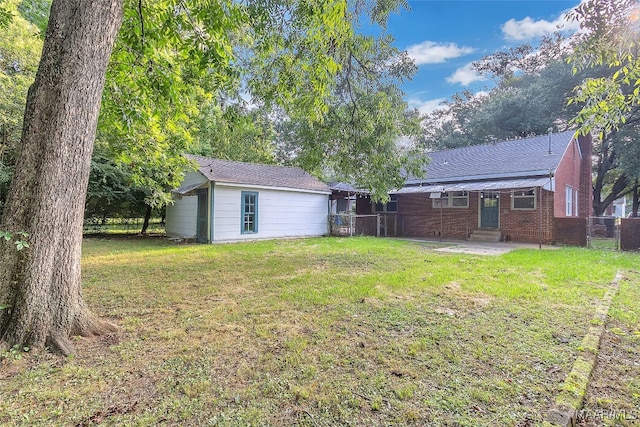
(528, 28)
(429, 52)
(465, 76)
(426, 107)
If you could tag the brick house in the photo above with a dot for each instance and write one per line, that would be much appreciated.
(535, 190)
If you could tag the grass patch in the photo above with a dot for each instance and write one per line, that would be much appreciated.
(608, 243)
(613, 396)
(328, 331)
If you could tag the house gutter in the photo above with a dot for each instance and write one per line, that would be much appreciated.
(488, 177)
(267, 187)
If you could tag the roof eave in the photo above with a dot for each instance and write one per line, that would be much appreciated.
(269, 187)
(523, 174)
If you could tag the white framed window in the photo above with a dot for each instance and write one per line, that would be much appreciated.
(390, 207)
(569, 201)
(452, 199)
(576, 204)
(249, 218)
(523, 200)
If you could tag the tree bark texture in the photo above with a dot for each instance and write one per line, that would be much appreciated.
(41, 300)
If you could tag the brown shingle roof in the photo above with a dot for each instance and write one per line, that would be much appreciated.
(224, 171)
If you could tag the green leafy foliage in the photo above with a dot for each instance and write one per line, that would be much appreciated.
(181, 69)
(168, 55)
(111, 193)
(610, 104)
(521, 105)
(358, 143)
(610, 39)
(292, 62)
(19, 238)
(36, 12)
(367, 134)
(19, 55)
(234, 132)
(20, 48)
(6, 15)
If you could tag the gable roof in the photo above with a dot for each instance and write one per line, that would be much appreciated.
(516, 158)
(254, 174)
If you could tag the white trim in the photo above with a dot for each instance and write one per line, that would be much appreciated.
(535, 200)
(266, 187)
(545, 181)
(486, 177)
(577, 142)
(435, 201)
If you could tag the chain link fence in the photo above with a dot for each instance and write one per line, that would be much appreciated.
(603, 232)
(353, 225)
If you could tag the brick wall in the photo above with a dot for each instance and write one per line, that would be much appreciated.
(363, 205)
(570, 231)
(416, 217)
(527, 225)
(567, 174)
(629, 234)
(586, 184)
(574, 170)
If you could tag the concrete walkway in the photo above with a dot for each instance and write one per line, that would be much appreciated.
(480, 248)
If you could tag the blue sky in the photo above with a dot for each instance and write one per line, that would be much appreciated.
(444, 37)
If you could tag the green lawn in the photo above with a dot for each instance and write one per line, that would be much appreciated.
(319, 332)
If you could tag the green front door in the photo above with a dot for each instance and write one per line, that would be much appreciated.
(489, 210)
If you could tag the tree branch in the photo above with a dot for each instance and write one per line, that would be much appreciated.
(141, 22)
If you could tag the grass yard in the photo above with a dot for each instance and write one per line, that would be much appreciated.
(322, 332)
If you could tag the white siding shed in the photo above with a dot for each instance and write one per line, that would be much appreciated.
(247, 201)
(280, 213)
(181, 219)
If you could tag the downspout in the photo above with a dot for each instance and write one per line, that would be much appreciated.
(551, 173)
(540, 219)
(550, 130)
(540, 205)
(441, 223)
(351, 224)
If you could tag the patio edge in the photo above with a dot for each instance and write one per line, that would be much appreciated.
(568, 403)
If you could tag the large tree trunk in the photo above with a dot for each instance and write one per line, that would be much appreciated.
(40, 286)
